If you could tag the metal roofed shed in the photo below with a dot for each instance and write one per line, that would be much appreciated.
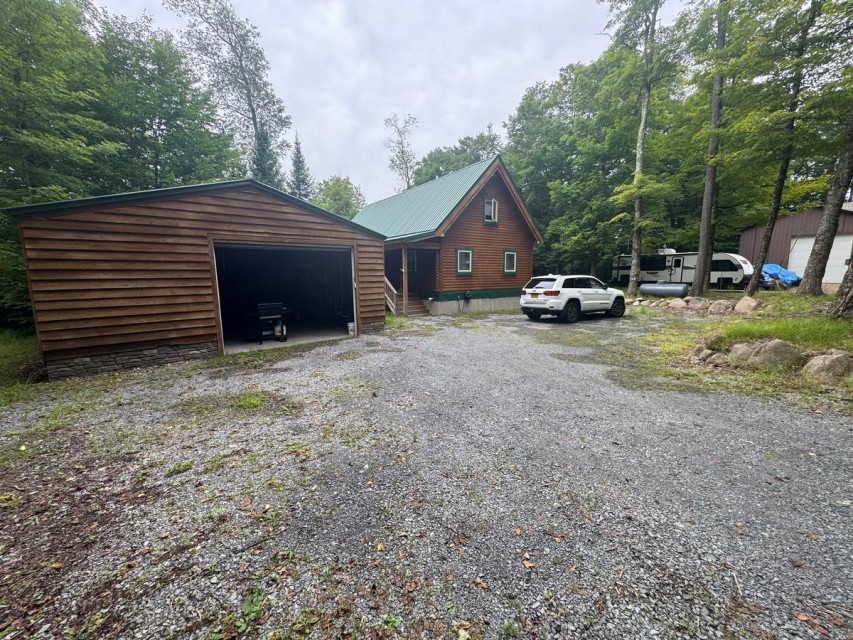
(158, 276)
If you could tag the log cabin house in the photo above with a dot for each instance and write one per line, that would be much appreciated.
(462, 242)
(158, 276)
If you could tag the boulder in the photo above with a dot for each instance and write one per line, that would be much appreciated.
(721, 306)
(714, 341)
(646, 303)
(717, 360)
(636, 303)
(706, 353)
(740, 354)
(747, 304)
(830, 369)
(662, 304)
(776, 353)
(699, 348)
(698, 304)
(678, 303)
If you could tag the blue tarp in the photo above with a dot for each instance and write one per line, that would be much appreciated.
(779, 273)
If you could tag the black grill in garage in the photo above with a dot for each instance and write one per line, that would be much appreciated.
(314, 285)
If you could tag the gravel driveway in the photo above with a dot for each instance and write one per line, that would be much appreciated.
(459, 478)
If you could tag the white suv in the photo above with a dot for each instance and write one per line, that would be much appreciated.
(567, 297)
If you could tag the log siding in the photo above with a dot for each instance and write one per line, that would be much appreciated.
(139, 275)
(488, 242)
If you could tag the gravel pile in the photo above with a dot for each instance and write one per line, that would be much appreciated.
(457, 479)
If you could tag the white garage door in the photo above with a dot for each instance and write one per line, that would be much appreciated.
(835, 268)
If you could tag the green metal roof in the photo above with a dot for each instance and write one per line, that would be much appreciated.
(60, 205)
(421, 210)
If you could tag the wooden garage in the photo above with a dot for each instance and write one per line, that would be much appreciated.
(158, 276)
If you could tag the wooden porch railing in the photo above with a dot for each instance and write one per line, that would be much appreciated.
(390, 297)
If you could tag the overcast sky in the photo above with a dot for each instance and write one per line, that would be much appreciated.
(342, 67)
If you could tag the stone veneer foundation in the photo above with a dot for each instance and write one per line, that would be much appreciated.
(373, 327)
(89, 365)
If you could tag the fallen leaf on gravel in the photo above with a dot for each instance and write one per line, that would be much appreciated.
(246, 504)
(131, 564)
(164, 535)
(527, 564)
(813, 624)
(56, 565)
(411, 586)
(799, 564)
(370, 482)
(401, 555)
(481, 583)
(574, 567)
(463, 624)
(380, 547)
(518, 531)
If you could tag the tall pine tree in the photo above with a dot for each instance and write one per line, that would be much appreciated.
(299, 182)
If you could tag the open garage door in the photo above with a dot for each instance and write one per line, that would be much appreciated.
(313, 285)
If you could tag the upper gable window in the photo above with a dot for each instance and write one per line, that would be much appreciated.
(490, 214)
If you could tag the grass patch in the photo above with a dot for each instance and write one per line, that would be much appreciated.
(658, 360)
(815, 333)
(788, 303)
(251, 401)
(258, 402)
(20, 366)
(395, 324)
(181, 467)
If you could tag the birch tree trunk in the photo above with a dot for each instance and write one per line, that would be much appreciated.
(639, 212)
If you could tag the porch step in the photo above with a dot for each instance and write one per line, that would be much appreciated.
(416, 305)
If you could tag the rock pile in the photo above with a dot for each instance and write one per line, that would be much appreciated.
(745, 305)
(828, 368)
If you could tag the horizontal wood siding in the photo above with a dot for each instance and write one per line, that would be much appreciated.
(135, 275)
(488, 243)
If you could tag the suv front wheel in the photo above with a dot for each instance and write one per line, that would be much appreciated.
(617, 309)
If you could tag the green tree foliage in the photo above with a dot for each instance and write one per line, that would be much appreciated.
(228, 51)
(339, 195)
(572, 142)
(152, 102)
(50, 77)
(50, 137)
(263, 165)
(299, 182)
(467, 151)
(93, 104)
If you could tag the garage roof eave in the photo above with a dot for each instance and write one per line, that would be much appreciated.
(62, 205)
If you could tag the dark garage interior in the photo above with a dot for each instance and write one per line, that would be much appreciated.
(314, 285)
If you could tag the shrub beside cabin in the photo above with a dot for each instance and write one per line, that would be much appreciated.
(159, 276)
(466, 237)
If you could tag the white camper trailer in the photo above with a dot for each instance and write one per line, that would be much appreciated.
(669, 265)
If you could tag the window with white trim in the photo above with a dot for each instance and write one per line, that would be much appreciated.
(464, 261)
(510, 260)
(490, 213)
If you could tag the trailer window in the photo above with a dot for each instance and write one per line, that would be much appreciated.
(723, 265)
(653, 263)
